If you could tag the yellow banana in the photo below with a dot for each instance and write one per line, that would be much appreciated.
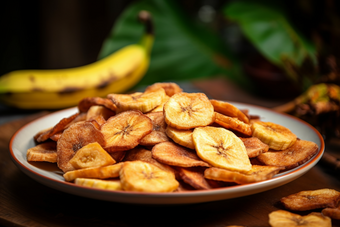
(60, 88)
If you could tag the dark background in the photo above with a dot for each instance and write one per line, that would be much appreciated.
(40, 34)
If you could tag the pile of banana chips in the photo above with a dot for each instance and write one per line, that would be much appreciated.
(167, 140)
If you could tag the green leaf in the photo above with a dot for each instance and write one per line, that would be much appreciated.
(182, 50)
(268, 29)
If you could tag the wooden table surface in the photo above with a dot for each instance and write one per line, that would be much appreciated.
(25, 202)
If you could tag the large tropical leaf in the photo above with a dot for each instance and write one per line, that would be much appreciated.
(268, 29)
(182, 50)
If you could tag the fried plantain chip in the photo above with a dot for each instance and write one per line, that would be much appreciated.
(193, 177)
(158, 131)
(254, 146)
(142, 154)
(333, 213)
(233, 124)
(181, 137)
(96, 111)
(59, 127)
(104, 172)
(44, 152)
(300, 152)
(91, 155)
(142, 101)
(73, 138)
(86, 103)
(230, 110)
(188, 110)
(312, 199)
(221, 148)
(169, 88)
(145, 177)
(256, 174)
(125, 130)
(176, 155)
(281, 218)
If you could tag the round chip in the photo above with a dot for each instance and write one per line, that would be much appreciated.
(73, 138)
(145, 177)
(188, 110)
(221, 148)
(124, 131)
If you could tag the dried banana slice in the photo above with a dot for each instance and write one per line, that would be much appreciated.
(91, 155)
(145, 177)
(276, 136)
(228, 109)
(142, 101)
(188, 110)
(282, 218)
(181, 137)
(125, 130)
(254, 146)
(105, 172)
(158, 132)
(256, 174)
(160, 107)
(169, 88)
(73, 138)
(101, 184)
(333, 213)
(142, 154)
(312, 199)
(234, 124)
(193, 177)
(59, 127)
(175, 155)
(95, 111)
(85, 104)
(221, 148)
(299, 153)
(44, 152)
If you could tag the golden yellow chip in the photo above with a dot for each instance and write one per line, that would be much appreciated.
(221, 148)
(256, 174)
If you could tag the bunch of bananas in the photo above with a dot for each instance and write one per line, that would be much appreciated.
(60, 88)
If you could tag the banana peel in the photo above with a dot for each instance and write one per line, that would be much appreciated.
(61, 88)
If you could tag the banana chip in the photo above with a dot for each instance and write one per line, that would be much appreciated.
(281, 218)
(174, 155)
(91, 155)
(86, 103)
(145, 177)
(221, 148)
(233, 124)
(101, 184)
(181, 137)
(299, 153)
(312, 199)
(44, 152)
(73, 138)
(169, 88)
(142, 101)
(276, 136)
(254, 146)
(228, 109)
(105, 172)
(193, 177)
(188, 110)
(125, 130)
(256, 174)
(158, 134)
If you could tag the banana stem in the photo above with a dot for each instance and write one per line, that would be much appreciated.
(148, 38)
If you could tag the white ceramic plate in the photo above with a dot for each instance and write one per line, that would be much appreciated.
(49, 175)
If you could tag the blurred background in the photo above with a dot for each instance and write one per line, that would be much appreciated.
(271, 49)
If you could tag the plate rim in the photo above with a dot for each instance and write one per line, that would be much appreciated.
(69, 187)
